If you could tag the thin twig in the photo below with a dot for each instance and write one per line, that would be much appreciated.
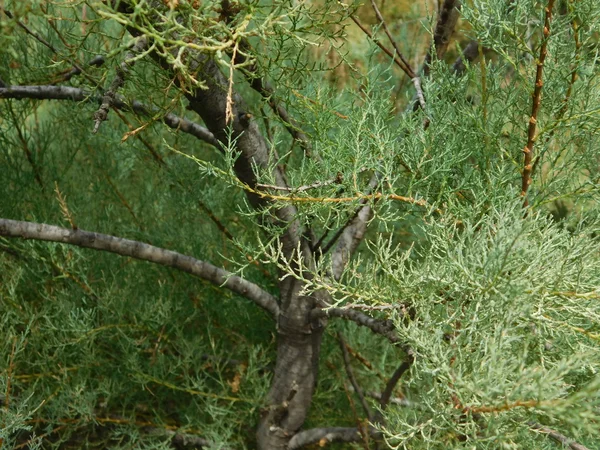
(560, 438)
(265, 89)
(43, 41)
(29, 31)
(384, 328)
(537, 98)
(574, 76)
(28, 153)
(122, 71)
(317, 184)
(411, 73)
(352, 378)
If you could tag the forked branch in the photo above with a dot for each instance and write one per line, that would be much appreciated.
(143, 252)
(81, 95)
(122, 70)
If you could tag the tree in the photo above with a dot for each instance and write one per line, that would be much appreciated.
(394, 233)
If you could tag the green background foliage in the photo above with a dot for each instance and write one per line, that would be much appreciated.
(118, 353)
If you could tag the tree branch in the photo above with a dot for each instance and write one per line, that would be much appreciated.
(381, 327)
(80, 95)
(560, 438)
(350, 236)
(386, 395)
(144, 252)
(535, 106)
(108, 99)
(447, 18)
(469, 54)
(355, 385)
(324, 436)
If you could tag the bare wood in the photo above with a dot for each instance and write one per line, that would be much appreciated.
(386, 395)
(384, 328)
(81, 95)
(144, 252)
(447, 18)
(323, 436)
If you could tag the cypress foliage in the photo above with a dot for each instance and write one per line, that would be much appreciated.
(284, 225)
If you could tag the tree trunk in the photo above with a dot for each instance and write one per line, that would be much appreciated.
(296, 370)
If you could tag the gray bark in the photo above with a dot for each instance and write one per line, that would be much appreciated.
(144, 252)
(81, 95)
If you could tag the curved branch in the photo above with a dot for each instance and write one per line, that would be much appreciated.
(324, 436)
(384, 328)
(80, 95)
(393, 381)
(144, 252)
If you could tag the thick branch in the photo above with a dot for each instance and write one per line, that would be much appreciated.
(447, 18)
(324, 436)
(144, 252)
(80, 95)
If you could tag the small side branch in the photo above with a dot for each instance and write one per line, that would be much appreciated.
(396, 56)
(537, 99)
(323, 436)
(265, 89)
(80, 95)
(262, 86)
(144, 252)
(386, 395)
(352, 378)
(560, 438)
(118, 82)
(384, 328)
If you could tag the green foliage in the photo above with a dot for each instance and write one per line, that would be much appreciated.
(499, 304)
